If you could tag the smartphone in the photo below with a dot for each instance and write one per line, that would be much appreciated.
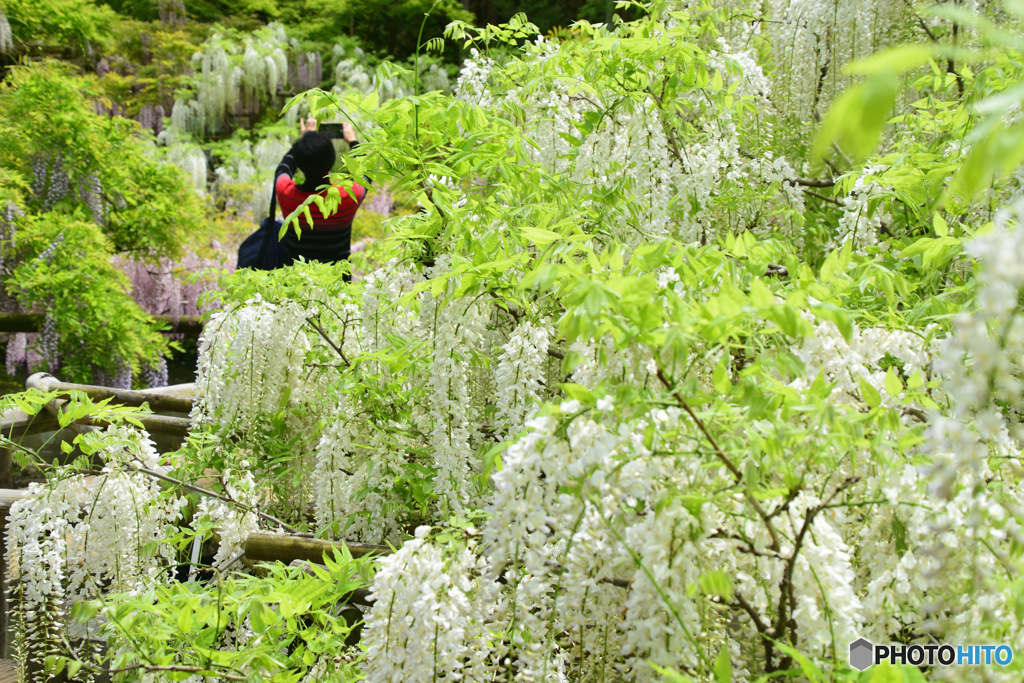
(331, 130)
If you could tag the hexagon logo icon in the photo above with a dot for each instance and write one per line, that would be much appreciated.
(862, 654)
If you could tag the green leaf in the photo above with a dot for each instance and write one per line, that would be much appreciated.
(717, 583)
(539, 236)
(83, 611)
(809, 668)
(722, 667)
(855, 119)
(186, 621)
(899, 535)
(670, 676)
(837, 316)
(870, 394)
(893, 61)
(893, 383)
(760, 293)
(720, 378)
(886, 673)
(578, 392)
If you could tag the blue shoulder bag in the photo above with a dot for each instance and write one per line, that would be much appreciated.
(262, 250)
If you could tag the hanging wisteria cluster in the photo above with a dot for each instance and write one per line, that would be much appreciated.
(234, 79)
(251, 365)
(813, 41)
(685, 164)
(239, 79)
(74, 538)
(6, 39)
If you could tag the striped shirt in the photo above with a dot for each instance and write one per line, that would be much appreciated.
(330, 237)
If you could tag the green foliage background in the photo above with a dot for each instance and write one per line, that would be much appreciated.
(536, 243)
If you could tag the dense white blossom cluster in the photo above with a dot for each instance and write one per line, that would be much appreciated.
(83, 535)
(359, 456)
(456, 331)
(473, 85)
(846, 363)
(234, 521)
(233, 79)
(433, 616)
(251, 365)
(684, 171)
(862, 219)
(600, 563)
(244, 182)
(812, 41)
(521, 373)
(356, 467)
(190, 159)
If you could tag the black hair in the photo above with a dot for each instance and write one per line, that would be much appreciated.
(314, 154)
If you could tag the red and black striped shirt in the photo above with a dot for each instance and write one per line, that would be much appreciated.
(329, 238)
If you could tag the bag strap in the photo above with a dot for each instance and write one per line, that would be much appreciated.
(270, 217)
(273, 197)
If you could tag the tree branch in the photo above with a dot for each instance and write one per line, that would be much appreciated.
(813, 182)
(787, 602)
(725, 459)
(823, 198)
(337, 349)
(212, 494)
(149, 668)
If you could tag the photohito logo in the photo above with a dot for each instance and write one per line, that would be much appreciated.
(863, 653)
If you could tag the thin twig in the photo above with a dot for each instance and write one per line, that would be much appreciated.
(813, 182)
(337, 349)
(212, 494)
(747, 546)
(742, 603)
(726, 460)
(230, 562)
(149, 668)
(787, 605)
(915, 413)
(921, 22)
(823, 198)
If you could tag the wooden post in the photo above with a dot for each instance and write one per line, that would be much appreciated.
(7, 498)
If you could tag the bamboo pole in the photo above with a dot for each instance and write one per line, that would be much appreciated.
(154, 424)
(285, 549)
(157, 402)
(191, 325)
(9, 497)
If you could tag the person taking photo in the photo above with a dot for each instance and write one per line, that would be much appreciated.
(329, 238)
